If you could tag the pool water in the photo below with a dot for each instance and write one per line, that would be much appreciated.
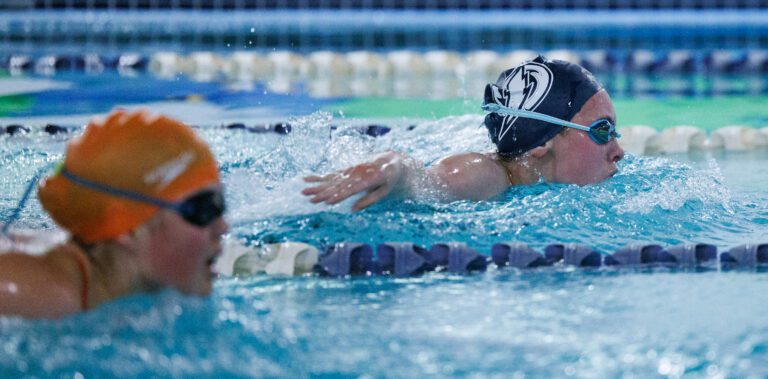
(557, 321)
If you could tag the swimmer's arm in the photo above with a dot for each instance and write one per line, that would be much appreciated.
(31, 287)
(466, 176)
(388, 173)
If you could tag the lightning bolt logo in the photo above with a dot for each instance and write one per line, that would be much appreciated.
(524, 88)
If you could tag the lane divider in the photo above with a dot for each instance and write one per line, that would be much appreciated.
(253, 65)
(404, 259)
(372, 130)
(638, 140)
(408, 259)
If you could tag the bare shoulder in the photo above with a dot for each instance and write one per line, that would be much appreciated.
(38, 286)
(470, 176)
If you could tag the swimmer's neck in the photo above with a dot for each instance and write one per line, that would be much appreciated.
(115, 273)
(520, 171)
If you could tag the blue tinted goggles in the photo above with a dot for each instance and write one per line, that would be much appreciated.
(601, 131)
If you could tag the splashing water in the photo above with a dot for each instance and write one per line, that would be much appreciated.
(652, 199)
(541, 323)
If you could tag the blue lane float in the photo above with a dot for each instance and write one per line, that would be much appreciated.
(54, 63)
(344, 259)
(65, 63)
(748, 255)
(279, 128)
(51, 129)
(14, 129)
(693, 254)
(635, 255)
(403, 259)
(457, 257)
(573, 255)
(18, 63)
(408, 259)
(56, 129)
(517, 255)
(652, 254)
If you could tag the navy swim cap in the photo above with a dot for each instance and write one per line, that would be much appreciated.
(555, 88)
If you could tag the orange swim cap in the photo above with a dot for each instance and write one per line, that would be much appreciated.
(135, 151)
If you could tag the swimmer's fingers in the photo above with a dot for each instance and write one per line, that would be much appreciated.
(372, 197)
(364, 177)
(330, 192)
(339, 186)
(311, 191)
(341, 174)
(321, 178)
(324, 181)
(340, 192)
(347, 187)
(320, 193)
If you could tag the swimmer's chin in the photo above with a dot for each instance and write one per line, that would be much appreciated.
(607, 177)
(598, 180)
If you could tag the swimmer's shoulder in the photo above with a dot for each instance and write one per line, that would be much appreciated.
(471, 176)
(47, 285)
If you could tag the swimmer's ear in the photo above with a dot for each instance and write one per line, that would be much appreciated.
(539, 152)
(125, 242)
(131, 241)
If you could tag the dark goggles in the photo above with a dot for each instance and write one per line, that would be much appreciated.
(200, 209)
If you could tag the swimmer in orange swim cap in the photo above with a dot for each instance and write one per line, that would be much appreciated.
(141, 199)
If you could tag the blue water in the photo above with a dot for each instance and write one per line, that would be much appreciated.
(551, 322)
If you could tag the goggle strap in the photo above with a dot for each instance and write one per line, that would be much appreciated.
(493, 107)
(130, 195)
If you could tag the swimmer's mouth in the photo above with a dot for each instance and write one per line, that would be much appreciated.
(210, 262)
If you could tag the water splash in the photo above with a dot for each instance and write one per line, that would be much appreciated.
(503, 323)
(669, 185)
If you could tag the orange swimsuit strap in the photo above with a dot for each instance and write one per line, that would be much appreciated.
(82, 263)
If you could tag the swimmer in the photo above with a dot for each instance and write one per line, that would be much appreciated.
(141, 200)
(550, 120)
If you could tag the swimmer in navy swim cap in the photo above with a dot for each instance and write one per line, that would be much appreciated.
(550, 120)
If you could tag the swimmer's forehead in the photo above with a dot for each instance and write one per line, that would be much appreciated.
(600, 107)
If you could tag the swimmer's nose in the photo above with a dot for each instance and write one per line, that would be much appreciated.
(616, 153)
(220, 226)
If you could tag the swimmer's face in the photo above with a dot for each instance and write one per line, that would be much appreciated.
(576, 158)
(180, 255)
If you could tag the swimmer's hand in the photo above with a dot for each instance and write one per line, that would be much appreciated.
(379, 178)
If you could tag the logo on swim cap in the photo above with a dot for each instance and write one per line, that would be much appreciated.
(524, 88)
(168, 172)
